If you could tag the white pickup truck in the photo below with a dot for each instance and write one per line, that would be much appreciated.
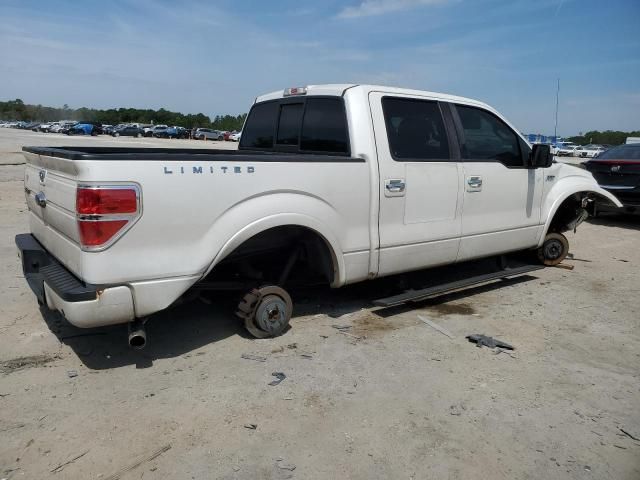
(331, 184)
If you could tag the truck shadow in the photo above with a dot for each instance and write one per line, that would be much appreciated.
(335, 303)
(171, 333)
(183, 329)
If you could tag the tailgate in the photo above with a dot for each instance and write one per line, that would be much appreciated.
(50, 190)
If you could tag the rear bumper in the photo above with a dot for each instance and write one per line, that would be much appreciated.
(82, 304)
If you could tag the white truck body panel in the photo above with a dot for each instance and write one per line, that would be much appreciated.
(197, 211)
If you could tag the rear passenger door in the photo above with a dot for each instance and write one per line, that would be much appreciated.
(502, 196)
(420, 197)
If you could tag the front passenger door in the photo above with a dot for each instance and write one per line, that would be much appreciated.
(502, 196)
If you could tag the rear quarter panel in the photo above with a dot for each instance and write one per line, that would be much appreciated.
(194, 212)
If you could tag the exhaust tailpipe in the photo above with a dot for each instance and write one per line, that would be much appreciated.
(137, 335)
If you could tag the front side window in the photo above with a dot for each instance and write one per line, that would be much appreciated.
(259, 128)
(415, 129)
(488, 138)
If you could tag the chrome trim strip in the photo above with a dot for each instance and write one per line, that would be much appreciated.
(618, 187)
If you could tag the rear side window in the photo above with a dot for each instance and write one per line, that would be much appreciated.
(488, 138)
(324, 127)
(315, 124)
(415, 129)
(289, 124)
(260, 126)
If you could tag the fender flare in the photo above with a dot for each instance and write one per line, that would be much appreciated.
(281, 220)
(577, 188)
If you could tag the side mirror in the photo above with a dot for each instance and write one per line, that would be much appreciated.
(540, 156)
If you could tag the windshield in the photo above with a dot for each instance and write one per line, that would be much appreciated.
(621, 152)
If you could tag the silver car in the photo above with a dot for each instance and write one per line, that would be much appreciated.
(208, 134)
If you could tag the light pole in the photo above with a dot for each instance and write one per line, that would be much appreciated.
(555, 130)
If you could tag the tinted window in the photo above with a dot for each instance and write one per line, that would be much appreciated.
(622, 152)
(324, 127)
(488, 138)
(258, 131)
(289, 126)
(415, 129)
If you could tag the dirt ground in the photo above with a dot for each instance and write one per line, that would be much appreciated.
(386, 396)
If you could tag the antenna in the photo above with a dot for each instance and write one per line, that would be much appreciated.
(555, 130)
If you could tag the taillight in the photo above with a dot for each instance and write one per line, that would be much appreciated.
(104, 213)
(95, 201)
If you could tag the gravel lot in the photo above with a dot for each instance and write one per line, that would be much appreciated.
(392, 398)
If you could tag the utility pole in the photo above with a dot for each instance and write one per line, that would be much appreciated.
(555, 130)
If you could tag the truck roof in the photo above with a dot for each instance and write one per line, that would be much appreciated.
(338, 89)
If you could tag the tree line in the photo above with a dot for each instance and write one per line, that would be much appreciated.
(608, 137)
(17, 110)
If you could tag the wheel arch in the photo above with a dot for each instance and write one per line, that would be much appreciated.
(284, 220)
(562, 201)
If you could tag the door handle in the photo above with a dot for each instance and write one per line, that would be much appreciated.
(474, 183)
(395, 186)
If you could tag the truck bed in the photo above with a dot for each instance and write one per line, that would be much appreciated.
(178, 154)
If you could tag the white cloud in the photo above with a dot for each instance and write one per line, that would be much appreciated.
(368, 8)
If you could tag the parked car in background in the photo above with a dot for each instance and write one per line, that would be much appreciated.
(618, 171)
(566, 150)
(199, 133)
(159, 132)
(65, 127)
(128, 131)
(56, 127)
(86, 128)
(556, 146)
(588, 151)
(235, 137)
(172, 132)
(109, 129)
(46, 127)
(208, 134)
(149, 131)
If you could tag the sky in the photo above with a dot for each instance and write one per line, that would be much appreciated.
(215, 57)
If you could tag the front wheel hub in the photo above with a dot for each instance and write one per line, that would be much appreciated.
(554, 249)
